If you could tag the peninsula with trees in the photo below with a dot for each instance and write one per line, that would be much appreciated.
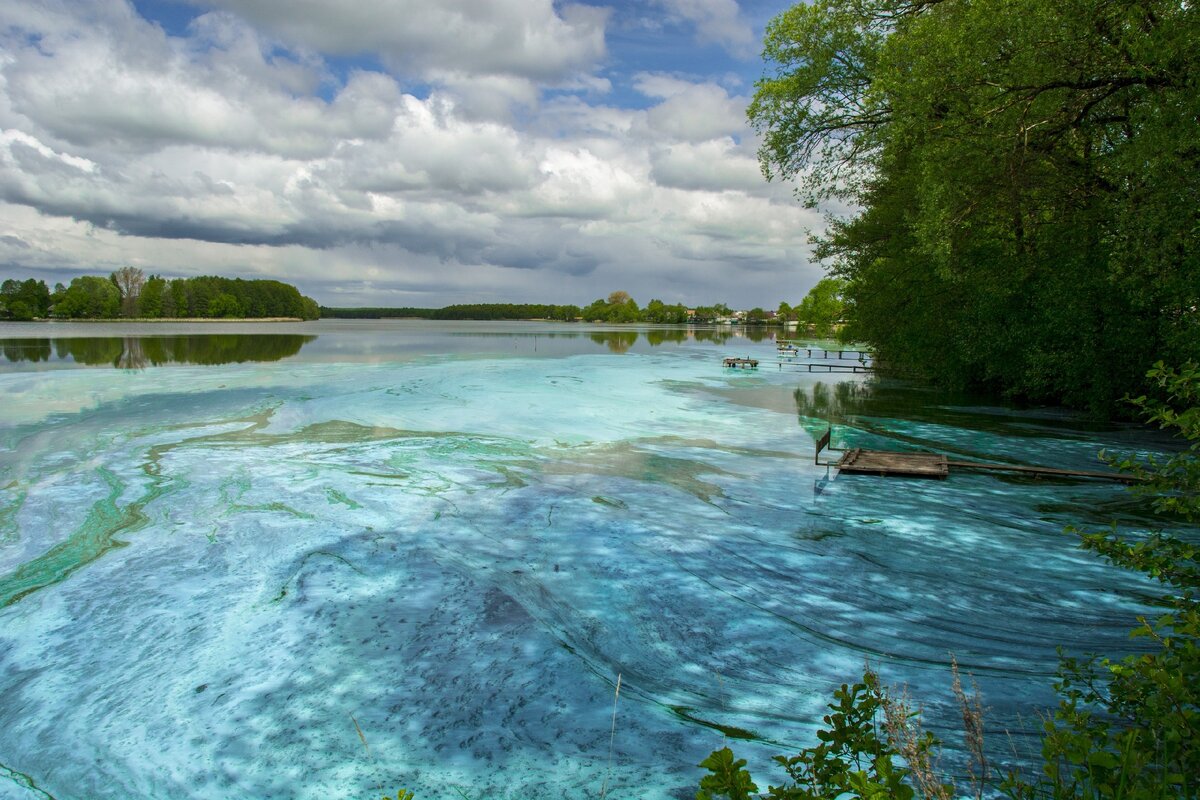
(129, 294)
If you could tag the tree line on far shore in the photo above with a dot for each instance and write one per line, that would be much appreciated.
(820, 311)
(129, 294)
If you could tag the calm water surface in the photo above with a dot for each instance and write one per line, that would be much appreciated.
(332, 559)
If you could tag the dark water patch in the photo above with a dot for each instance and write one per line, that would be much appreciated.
(501, 610)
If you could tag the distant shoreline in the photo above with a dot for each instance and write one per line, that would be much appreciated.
(160, 320)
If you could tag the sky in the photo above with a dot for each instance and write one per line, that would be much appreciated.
(398, 152)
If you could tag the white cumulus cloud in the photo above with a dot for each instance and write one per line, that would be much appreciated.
(506, 170)
(526, 38)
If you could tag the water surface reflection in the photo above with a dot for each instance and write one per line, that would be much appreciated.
(134, 350)
(140, 352)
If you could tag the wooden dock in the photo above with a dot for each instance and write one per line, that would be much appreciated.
(804, 366)
(827, 355)
(886, 463)
(790, 355)
(740, 363)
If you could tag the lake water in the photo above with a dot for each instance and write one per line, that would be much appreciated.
(333, 559)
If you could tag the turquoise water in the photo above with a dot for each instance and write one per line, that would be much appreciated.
(365, 555)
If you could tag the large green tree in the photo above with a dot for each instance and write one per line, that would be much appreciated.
(24, 300)
(1027, 174)
(823, 307)
(89, 297)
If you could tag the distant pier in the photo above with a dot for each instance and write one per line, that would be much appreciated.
(790, 355)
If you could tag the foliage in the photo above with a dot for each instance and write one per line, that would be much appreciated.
(657, 311)
(852, 759)
(150, 304)
(211, 296)
(1175, 483)
(727, 778)
(129, 282)
(823, 307)
(128, 293)
(506, 311)
(1028, 174)
(24, 300)
(89, 297)
(377, 312)
(618, 307)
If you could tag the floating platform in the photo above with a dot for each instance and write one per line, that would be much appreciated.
(740, 363)
(884, 462)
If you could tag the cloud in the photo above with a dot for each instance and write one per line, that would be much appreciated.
(221, 150)
(119, 83)
(717, 21)
(522, 38)
(432, 148)
(715, 165)
(693, 112)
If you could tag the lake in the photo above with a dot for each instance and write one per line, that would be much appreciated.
(333, 559)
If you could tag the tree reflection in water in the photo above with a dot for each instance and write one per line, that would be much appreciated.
(139, 352)
(834, 403)
(616, 341)
(622, 341)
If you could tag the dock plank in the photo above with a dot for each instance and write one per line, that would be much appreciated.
(882, 462)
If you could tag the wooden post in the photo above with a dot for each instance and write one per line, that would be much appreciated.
(822, 443)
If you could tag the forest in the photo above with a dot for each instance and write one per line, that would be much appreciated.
(1025, 179)
(128, 294)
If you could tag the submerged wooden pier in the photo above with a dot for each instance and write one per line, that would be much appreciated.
(827, 355)
(791, 354)
(888, 463)
(805, 366)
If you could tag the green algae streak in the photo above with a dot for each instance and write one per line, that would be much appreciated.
(98, 533)
(340, 497)
(92, 539)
